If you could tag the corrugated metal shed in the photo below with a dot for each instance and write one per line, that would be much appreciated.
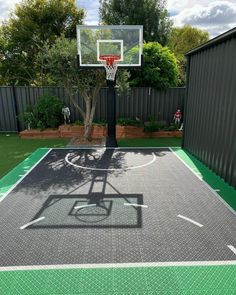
(210, 107)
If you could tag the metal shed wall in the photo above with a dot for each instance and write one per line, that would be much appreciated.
(210, 108)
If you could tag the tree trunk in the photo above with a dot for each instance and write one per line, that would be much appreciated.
(88, 131)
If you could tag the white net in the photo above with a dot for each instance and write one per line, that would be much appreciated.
(110, 70)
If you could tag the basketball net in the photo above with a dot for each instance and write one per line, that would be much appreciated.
(110, 65)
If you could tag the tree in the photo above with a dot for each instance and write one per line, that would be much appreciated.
(183, 40)
(33, 23)
(60, 67)
(152, 14)
(160, 68)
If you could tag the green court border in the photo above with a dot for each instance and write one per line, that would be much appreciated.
(17, 173)
(176, 280)
(224, 190)
(195, 280)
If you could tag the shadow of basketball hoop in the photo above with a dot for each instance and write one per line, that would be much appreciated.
(93, 210)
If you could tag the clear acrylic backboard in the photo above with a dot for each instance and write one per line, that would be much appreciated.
(123, 44)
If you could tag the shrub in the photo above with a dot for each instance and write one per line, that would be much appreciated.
(160, 68)
(45, 114)
(173, 127)
(49, 111)
(129, 122)
(29, 117)
(79, 123)
(151, 126)
(99, 122)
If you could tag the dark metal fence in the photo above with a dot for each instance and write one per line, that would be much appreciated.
(137, 102)
(210, 110)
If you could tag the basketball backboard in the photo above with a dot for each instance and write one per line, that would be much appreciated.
(123, 43)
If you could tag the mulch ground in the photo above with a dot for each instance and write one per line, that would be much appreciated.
(81, 141)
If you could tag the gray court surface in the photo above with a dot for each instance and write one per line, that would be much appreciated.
(114, 228)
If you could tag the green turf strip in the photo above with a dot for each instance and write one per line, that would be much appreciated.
(195, 280)
(14, 175)
(13, 150)
(227, 192)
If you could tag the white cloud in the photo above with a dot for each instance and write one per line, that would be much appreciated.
(91, 7)
(214, 16)
(6, 6)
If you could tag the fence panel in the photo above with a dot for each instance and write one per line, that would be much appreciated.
(141, 102)
(8, 121)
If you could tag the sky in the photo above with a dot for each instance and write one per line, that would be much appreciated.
(214, 16)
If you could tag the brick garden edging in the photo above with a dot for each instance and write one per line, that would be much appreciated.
(70, 131)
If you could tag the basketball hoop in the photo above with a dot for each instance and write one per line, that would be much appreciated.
(110, 63)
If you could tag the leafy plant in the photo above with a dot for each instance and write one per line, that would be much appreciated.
(160, 68)
(29, 117)
(129, 122)
(151, 127)
(45, 114)
(173, 127)
(79, 123)
(99, 122)
(49, 111)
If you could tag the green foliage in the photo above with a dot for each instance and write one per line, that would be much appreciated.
(122, 81)
(129, 122)
(186, 38)
(152, 14)
(78, 123)
(29, 117)
(173, 127)
(99, 122)
(153, 126)
(181, 41)
(49, 111)
(32, 24)
(59, 63)
(160, 68)
(45, 114)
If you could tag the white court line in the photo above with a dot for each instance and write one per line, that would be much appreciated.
(136, 205)
(232, 248)
(190, 220)
(84, 206)
(12, 188)
(217, 190)
(119, 265)
(32, 222)
(109, 169)
(199, 176)
(207, 185)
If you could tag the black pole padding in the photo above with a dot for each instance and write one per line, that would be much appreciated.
(111, 115)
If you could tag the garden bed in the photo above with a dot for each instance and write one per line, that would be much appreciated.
(35, 133)
(69, 131)
(138, 132)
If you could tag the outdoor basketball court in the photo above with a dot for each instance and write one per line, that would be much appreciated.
(112, 220)
(115, 221)
(112, 206)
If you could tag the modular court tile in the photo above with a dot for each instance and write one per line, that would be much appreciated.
(90, 242)
(108, 231)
